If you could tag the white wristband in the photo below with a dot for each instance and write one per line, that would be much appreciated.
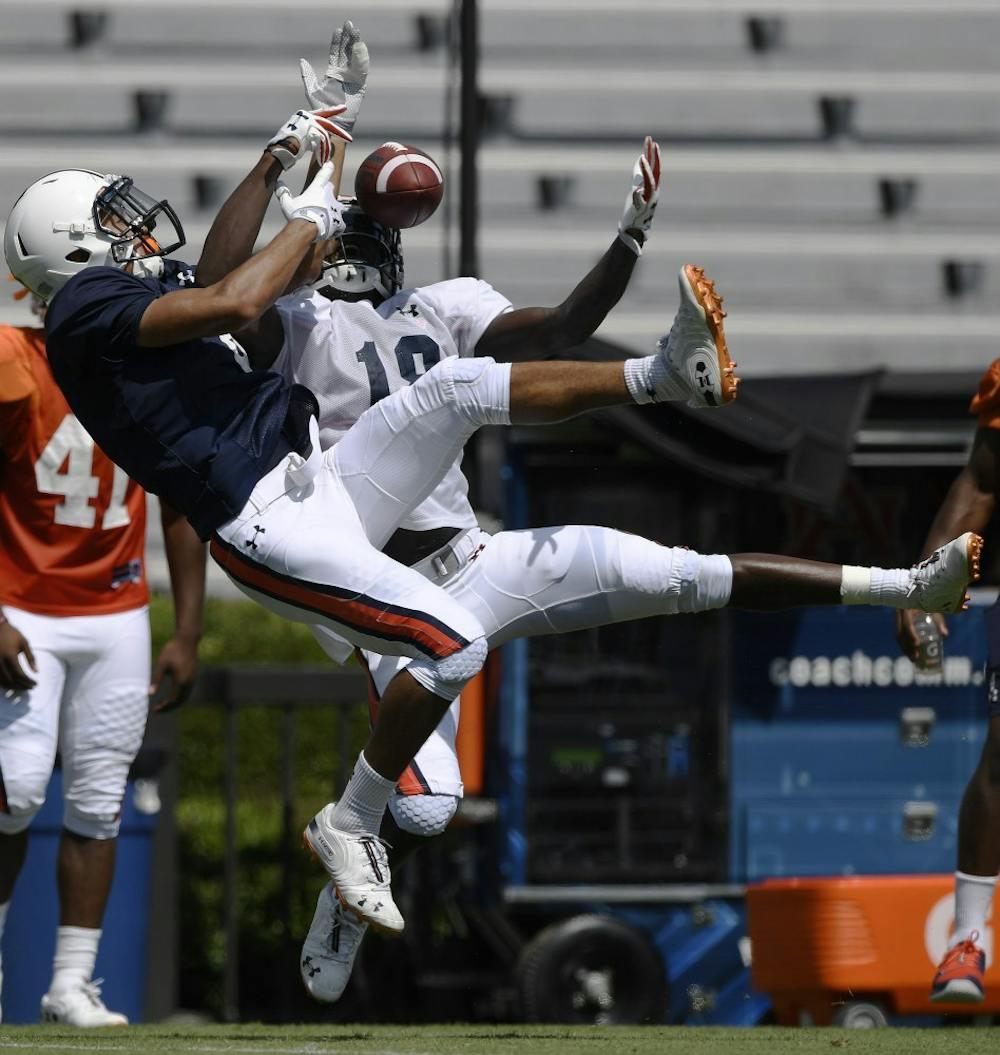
(855, 585)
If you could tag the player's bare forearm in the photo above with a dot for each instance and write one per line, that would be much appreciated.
(234, 302)
(234, 231)
(186, 555)
(337, 156)
(971, 499)
(966, 508)
(176, 666)
(532, 333)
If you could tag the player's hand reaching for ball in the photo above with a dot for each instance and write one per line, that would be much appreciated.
(307, 132)
(640, 207)
(317, 203)
(343, 84)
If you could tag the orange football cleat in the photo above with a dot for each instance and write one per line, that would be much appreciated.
(959, 978)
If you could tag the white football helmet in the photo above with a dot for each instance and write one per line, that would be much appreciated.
(74, 219)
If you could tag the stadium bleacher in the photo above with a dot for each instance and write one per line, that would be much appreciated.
(833, 165)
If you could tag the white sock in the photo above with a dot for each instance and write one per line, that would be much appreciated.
(973, 897)
(715, 582)
(364, 801)
(888, 586)
(648, 380)
(76, 953)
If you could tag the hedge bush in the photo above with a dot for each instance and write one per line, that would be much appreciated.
(243, 632)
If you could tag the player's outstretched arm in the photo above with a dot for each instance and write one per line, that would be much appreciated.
(235, 229)
(531, 333)
(968, 506)
(245, 294)
(177, 663)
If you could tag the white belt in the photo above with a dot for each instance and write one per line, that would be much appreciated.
(301, 470)
(453, 555)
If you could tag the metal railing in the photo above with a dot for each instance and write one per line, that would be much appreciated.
(289, 689)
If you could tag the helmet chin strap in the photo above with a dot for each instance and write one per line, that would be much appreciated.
(351, 278)
(146, 266)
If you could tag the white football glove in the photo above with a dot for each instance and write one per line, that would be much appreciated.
(343, 84)
(306, 132)
(317, 203)
(641, 204)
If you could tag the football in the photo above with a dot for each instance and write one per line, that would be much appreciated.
(399, 185)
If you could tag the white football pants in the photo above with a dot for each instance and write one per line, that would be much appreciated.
(91, 702)
(548, 581)
(307, 544)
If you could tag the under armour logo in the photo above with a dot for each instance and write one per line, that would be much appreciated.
(705, 382)
(307, 965)
(252, 542)
(410, 309)
(185, 278)
(476, 554)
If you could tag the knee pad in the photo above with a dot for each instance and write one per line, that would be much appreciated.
(700, 583)
(447, 677)
(14, 822)
(92, 796)
(91, 824)
(425, 815)
(25, 796)
(479, 388)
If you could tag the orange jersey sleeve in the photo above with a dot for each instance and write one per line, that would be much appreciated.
(72, 524)
(985, 403)
(18, 392)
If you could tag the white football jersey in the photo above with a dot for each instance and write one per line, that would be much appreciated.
(353, 355)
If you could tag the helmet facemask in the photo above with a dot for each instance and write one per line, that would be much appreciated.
(129, 216)
(366, 262)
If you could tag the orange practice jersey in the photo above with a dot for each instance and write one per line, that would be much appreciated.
(986, 402)
(72, 524)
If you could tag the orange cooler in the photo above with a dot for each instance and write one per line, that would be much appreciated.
(821, 945)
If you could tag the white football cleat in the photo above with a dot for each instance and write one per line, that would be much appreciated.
(330, 948)
(694, 352)
(358, 865)
(81, 1006)
(938, 584)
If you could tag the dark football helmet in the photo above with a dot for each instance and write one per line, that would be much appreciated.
(367, 260)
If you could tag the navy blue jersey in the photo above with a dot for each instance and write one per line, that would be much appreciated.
(190, 422)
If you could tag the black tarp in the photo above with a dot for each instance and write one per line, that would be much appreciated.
(791, 436)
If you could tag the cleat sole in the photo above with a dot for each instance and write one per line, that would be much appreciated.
(974, 556)
(974, 552)
(958, 991)
(710, 303)
(309, 846)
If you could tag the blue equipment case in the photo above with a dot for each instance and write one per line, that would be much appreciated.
(29, 935)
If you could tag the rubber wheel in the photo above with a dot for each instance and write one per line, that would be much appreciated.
(861, 1014)
(593, 970)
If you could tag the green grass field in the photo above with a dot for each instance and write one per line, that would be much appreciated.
(497, 1040)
